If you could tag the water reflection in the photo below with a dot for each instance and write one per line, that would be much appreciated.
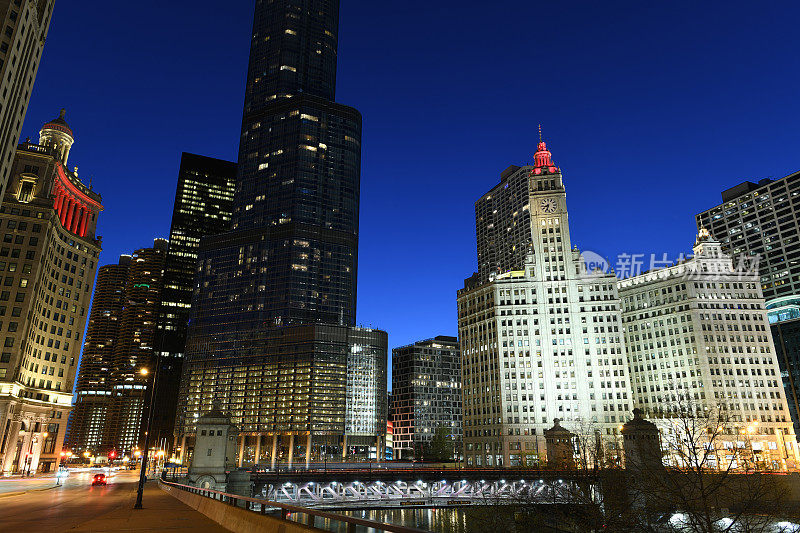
(437, 520)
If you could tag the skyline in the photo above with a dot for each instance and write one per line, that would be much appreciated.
(409, 187)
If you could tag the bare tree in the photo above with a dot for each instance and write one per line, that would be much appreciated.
(712, 483)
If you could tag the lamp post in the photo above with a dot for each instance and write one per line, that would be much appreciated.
(143, 467)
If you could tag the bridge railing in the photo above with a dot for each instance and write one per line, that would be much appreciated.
(284, 511)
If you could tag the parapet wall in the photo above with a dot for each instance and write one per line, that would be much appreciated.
(234, 518)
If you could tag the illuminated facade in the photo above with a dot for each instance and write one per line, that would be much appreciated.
(315, 392)
(274, 309)
(699, 342)
(426, 394)
(48, 260)
(542, 341)
(203, 206)
(26, 23)
(89, 429)
(113, 391)
(759, 221)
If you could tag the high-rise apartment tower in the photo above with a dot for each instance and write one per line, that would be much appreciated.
(115, 384)
(758, 223)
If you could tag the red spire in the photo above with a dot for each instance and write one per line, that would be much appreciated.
(543, 158)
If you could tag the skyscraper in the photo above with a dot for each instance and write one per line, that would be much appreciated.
(539, 340)
(48, 259)
(277, 291)
(26, 23)
(203, 206)
(426, 394)
(758, 222)
(784, 318)
(699, 344)
(89, 423)
(119, 357)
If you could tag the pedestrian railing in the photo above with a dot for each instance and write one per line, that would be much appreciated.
(311, 517)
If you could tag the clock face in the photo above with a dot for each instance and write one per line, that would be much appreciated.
(549, 205)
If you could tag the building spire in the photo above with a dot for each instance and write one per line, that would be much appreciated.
(543, 159)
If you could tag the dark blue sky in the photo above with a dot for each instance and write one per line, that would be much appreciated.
(650, 108)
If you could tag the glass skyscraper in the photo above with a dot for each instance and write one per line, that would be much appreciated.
(274, 307)
(203, 206)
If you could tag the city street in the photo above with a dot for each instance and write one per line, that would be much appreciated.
(77, 506)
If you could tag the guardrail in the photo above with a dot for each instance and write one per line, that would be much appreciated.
(284, 511)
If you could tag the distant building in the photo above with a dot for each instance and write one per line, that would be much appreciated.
(784, 319)
(203, 206)
(26, 23)
(699, 342)
(503, 223)
(758, 222)
(389, 456)
(426, 394)
(48, 261)
(542, 341)
(89, 424)
(120, 351)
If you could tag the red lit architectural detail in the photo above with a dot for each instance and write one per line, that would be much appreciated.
(74, 207)
(543, 159)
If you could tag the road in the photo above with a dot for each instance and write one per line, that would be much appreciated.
(60, 508)
(77, 506)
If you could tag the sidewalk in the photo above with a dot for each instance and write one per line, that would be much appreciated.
(10, 486)
(161, 512)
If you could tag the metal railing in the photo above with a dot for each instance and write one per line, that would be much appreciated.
(284, 511)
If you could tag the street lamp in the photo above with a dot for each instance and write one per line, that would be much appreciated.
(143, 467)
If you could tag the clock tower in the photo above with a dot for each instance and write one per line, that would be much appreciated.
(550, 240)
(549, 348)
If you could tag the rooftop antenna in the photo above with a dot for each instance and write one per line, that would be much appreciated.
(540, 133)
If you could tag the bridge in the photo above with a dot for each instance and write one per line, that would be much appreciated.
(428, 487)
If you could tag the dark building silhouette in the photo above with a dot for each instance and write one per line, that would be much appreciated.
(784, 318)
(277, 291)
(203, 206)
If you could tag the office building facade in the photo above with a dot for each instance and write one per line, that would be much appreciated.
(426, 395)
(757, 223)
(275, 297)
(542, 342)
(48, 260)
(784, 319)
(203, 206)
(699, 345)
(25, 23)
